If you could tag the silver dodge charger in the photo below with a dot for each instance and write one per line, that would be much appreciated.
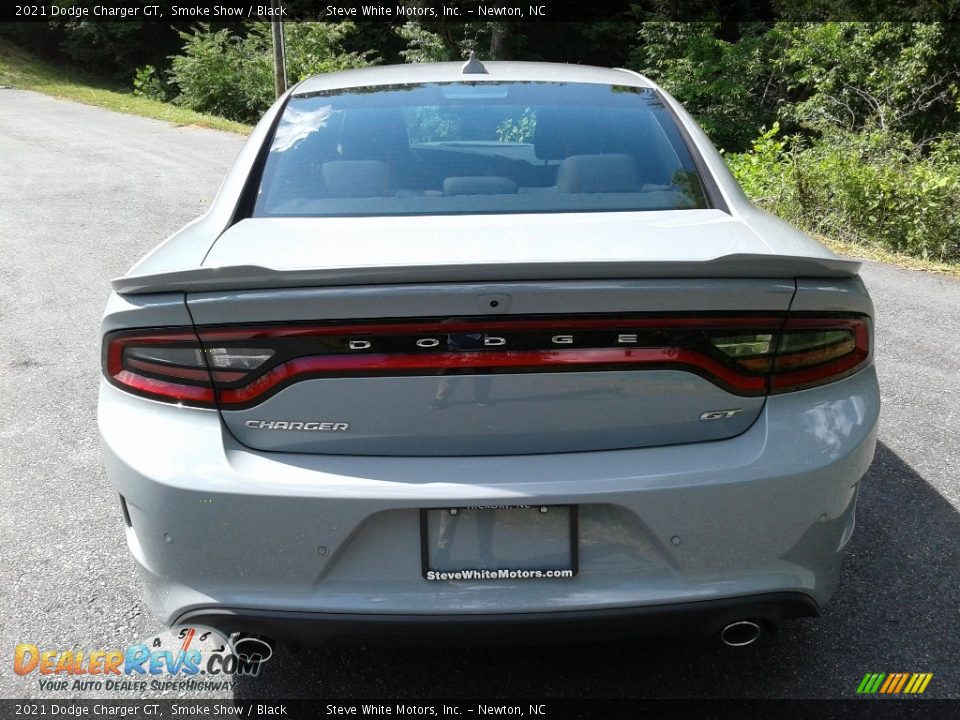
(494, 350)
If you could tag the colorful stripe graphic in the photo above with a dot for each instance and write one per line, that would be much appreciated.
(894, 683)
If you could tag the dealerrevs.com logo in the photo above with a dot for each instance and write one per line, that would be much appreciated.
(183, 658)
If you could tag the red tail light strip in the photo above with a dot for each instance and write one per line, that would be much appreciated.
(530, 360)
(193, 394)
(487, 326)
(685, 346)
(202, 375)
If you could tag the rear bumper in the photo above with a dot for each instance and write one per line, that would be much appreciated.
(705, 618)
(215, 525)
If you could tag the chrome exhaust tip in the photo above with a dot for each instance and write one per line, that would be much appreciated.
(740, 633)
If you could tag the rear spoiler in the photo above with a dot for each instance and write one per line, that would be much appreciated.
(255, 277)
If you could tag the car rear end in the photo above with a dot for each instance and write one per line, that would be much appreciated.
(503, 371)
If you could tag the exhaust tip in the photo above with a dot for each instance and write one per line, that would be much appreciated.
(740, 633)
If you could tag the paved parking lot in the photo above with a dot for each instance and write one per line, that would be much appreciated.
(85, 192)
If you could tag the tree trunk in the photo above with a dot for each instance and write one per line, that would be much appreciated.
(449, 43)
(498, 41)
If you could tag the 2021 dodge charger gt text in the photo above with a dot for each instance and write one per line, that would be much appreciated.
(481, 349)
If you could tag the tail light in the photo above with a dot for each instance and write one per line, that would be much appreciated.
(240, 366)
(173, 366)
(813, 351)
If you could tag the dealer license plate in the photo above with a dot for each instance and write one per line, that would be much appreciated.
(509, 542)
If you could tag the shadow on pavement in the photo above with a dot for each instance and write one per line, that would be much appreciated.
(896, 611)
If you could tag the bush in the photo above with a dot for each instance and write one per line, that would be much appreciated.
(873, 187)
(148, 83)
(231, 75)
(222, 73)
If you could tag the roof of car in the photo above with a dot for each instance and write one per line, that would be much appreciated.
(453, 72)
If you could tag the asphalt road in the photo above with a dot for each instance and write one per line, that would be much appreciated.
(85, 192)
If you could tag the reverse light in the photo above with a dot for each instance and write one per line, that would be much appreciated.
(240, 358)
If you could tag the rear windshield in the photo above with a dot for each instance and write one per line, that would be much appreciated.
(477, 147)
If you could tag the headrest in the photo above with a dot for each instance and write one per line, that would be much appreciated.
(480, 185)
(355, 178)
(615, 172)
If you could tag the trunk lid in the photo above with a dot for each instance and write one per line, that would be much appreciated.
(261, 253)
(504, 335)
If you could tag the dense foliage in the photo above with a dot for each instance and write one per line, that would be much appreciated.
(864, 118)
(731, 85)
(874, 144)
(872, 187)
(224, 73)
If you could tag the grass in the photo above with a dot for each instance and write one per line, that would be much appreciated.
(21, 70)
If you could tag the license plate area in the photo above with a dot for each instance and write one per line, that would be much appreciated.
(509, 542)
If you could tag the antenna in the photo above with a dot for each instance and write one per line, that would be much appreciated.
(473, 66)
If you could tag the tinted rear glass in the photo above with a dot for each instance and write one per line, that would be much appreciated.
(484, 147)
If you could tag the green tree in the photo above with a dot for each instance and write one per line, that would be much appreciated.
(731, 86)
(423, 44)
(222, 72)
(888, 76)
